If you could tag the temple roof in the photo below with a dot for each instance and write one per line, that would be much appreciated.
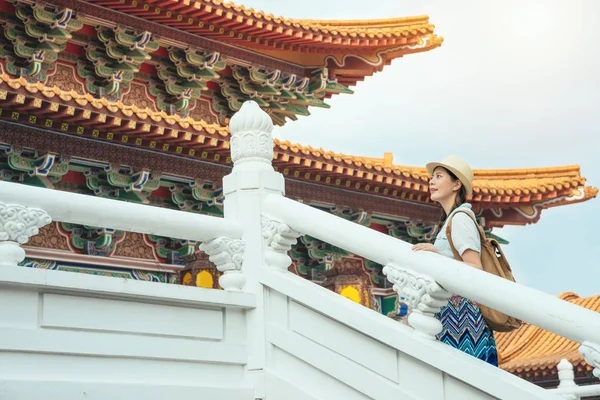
(350, 49)
(165, 76)
(513, 196)
(553, 185)
(187, 51)
(530, 350)
(279, 31)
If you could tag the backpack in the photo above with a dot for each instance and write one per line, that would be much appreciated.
(493, 262)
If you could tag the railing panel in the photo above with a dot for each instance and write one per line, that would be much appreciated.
(357, 347)
(307, 368)
(317, 336)
(531, 305)
(148, 319)
(72, 336)
(457, 390)
(293, 389)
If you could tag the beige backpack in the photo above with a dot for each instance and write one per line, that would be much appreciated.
(493, 262)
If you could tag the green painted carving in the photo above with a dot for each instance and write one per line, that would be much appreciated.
(361, 217)
(150, 276)
(48, 165)
(142, 181)
(113, 59)
(375, 273)
(92, 240)
(282, 96)
(389, 305)
(198, 197)
(38, 34)
(172, 251)
(121, 184)
(183, 78)
(322, 253)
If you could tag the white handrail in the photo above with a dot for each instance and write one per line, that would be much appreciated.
(531, 305)
(106, 213)
(579, 391)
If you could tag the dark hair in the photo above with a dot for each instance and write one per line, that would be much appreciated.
(460, 199)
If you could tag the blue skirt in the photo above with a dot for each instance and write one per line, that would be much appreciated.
(465, 329)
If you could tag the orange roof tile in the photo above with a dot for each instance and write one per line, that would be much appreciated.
(539, 182)
(142, 114)
(272, 35)
(361, 33)
(530, 348)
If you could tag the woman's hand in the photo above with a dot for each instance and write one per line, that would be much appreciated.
(425, 247)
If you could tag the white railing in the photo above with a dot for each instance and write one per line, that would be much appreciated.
(106, 213)
(548, 312)
(25, 209)
(259, 228)
(425, 279)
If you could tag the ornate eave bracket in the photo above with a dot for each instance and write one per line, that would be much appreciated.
(422, 294)
(228, 255)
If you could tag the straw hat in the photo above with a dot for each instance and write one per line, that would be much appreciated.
(458, 167)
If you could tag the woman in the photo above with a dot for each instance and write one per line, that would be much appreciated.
(463, 325)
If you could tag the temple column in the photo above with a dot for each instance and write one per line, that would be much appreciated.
(17, 225)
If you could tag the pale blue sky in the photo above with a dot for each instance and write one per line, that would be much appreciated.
(515, 84)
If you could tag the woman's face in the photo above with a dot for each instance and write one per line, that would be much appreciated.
(441, 185)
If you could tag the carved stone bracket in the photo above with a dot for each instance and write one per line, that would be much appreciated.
(227, 254)
(17, 225)
(279, 239)
(423, 295)
(591, 353)
(278, 235)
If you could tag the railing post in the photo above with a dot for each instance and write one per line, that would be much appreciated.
(251, 179)
(566, 377)
(17, 225)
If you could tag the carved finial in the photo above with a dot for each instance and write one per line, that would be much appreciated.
(251, 138)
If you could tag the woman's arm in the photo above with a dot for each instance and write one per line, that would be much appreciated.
(472, 258)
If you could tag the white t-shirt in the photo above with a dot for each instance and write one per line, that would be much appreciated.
(465, 234)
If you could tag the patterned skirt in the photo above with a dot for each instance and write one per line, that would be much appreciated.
(464, 328)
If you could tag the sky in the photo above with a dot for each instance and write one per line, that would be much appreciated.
(516, 84)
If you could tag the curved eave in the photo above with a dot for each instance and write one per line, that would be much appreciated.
(543, 187)
(239, 25)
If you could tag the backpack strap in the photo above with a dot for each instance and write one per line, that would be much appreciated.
(449, 232)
